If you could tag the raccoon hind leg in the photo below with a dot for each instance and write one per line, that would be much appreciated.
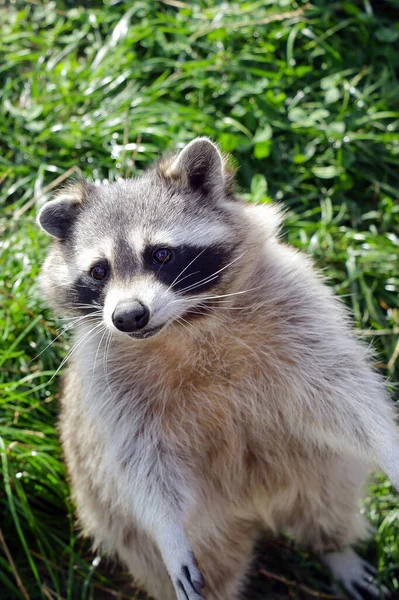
(144, 562)
(327, 519)
(225, 559)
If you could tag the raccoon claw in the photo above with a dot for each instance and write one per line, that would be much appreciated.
(356, 575)
(191, 582)
(367, 591)
(365, 587)
(197, 584)
(180, 562)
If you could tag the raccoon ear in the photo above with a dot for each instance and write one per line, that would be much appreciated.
(199, 164)
(57, 216)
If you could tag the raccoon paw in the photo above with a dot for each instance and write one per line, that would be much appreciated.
(190, 582)
(356, 575)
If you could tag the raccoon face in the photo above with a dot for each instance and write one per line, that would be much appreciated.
(145, 252)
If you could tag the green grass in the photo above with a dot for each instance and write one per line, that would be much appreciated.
(306, 99)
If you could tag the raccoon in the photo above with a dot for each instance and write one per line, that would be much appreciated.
(215, 390)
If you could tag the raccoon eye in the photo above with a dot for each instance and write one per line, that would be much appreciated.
(161, 256)
(99, 272)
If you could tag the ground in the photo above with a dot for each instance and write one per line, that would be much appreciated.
(305, 97)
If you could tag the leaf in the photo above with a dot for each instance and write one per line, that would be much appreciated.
(299, 159)
(326, 172)
(258, 187)
(336, 127)
(297, 114)
(229, 142)
(387, 35)
(263, 149)
(330, 81)
(264, 134)
(331, 95)
(319, 114)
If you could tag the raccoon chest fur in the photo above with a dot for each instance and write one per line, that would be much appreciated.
(197, 409)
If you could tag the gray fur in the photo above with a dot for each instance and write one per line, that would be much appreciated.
(253, 408)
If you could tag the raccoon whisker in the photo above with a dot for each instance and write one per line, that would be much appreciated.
(220, 301)
(227, 306)
(72, 321)
(194, 312)
(231, 307)
(106, 330)
(196, 285)
(176, 280)
(88, 304)
(98, 307)
(212, 276)
(78, 316)
(74, 348)
(231, 294)
(96, 314)
(219, 296)
(191, 298)
(78, 321)
(186, 276)
(106, 356)
(63, 330)
(182, 322)
(88, 335)
(52, 341)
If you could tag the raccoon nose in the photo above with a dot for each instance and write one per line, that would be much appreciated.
(130, 316)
